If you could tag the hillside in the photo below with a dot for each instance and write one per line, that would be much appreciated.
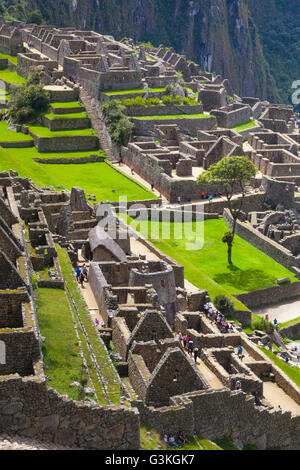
(252, 43)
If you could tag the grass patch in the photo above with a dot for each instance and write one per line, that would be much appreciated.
(289, 323)
(244, 126)
(97, 178)
(41, 131)
(67, 105)
(7, 135)
(62, 361)
(54, 117)
(292, 372)
(132, 91)
(11, 77)
(12, 58)
(206, 265)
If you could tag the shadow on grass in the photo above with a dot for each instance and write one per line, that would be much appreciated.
(245, 280)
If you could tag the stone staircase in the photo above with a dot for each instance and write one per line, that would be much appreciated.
(94, 111)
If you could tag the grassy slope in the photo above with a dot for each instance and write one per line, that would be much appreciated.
(244, 125)
(62, 360)
(107, 370)
(292, 372)
(11, 77)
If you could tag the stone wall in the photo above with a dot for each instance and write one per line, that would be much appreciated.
(29, 409)
(188, 126)
(271, 295)
(65, 124)
(291, 332)
(163, 110)
(64, 144)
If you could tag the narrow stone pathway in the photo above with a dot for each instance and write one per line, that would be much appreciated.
(94, 111)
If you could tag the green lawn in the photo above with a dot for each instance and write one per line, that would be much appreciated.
(292, 372)
(174, 116)
(41, 131)
(95, 178)
(66, 116)
(133, 90)
(11, 136)
(11, 77)
(244, 126)
(13, 59)
(207, 267)
(66, 105)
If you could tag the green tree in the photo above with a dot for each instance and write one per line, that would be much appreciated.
(35, 17)
(233, 173)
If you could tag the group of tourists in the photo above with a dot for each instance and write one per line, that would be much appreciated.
(216, 317)
(188, 345)
(180, 440)
(81, 274)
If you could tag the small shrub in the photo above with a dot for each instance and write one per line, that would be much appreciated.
(262, 325)
(224, 305)
(169, 100)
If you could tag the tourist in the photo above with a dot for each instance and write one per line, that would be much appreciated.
(267, 317)
(202, 194)
(81, 279)
(185, 340)
(166, 440)
(286, 358)
(96, 322)
(190, 346)
(196, 352)
(103, 325)
(152, 186)
(276, 324)
(181, 438)
(240, 352)
(160, 196)
(78, 272)
(210, 198)
(179, 200)
(238, 385)
(132, 170)
(172, 441)
(120, 161)
(181, 338)
(85, 272)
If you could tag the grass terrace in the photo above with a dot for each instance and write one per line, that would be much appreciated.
(109, 374)
(66, 116)
(11, 77)
(13, 59)
(95, 178)
(206, 266)
(66, 105)
(244, 126)
(7, 135)
(41, 131)
(133, 90)
(62, 361)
